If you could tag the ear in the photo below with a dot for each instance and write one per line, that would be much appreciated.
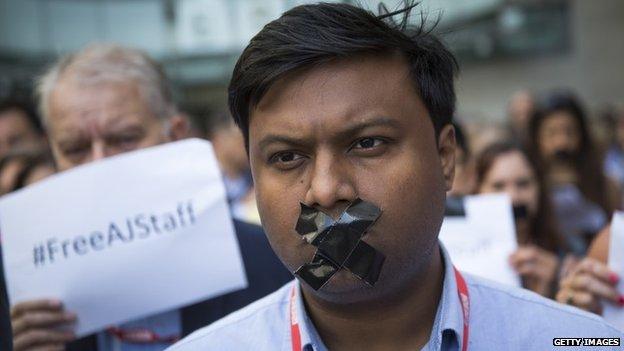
(446, 150)
(179, 127)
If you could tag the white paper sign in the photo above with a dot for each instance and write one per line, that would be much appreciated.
(481, 242)
(611, 313)
(122, 238)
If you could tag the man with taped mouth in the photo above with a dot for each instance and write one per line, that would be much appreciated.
(347, 120)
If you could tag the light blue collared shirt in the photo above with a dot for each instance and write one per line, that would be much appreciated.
(501, 318)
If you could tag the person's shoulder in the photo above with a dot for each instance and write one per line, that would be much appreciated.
(247, 328)
(265, 272)
(527, 312)
(247, 229)
(252, 240)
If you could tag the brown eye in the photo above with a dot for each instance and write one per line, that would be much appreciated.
(75, 150)
(368, 143)
(126, 142)
(523, 183)
(498, 186)
(286, 160)
(286, 157)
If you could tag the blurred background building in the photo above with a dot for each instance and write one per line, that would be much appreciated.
(503, 45)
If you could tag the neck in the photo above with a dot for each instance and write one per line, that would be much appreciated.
(400, 321)
(523, 232)
(561, 173)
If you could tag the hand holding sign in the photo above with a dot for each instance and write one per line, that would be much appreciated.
(614, 313)
(537, 267)
(588, 285)
(39, 323)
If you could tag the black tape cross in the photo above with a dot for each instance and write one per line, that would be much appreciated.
(339, 244)
(520, 211)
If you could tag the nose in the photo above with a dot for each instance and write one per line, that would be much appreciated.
(331, 185)
(514, 194)
(562, 141)
(98, 150)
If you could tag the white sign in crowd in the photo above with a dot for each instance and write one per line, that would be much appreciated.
(125, 237)
(481, 241)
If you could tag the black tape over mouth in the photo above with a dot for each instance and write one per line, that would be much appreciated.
(565, 155)
(339, 244)
(520, 211)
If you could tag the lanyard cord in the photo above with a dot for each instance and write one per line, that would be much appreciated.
(142, 336)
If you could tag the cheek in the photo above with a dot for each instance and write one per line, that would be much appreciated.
(411, 194)
(154, 136)
(576, 142)
(545, 145)
(485, 188)
(279, 210)
(532, 200)
(62, 163)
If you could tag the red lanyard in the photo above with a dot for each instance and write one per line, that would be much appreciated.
(295, 334)
(142, 336)
(462, 292)
(464, 300)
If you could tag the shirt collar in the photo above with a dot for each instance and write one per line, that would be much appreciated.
(447, 328)
(309, 335)
(449, 318)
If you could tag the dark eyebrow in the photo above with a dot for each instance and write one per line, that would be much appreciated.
(276, 138)
(124, 128)
(351, 129)
(358, 127)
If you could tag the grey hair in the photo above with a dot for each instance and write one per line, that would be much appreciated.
(106, 63)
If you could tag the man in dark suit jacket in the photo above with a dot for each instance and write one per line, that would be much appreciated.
(6, 341)
(103, 101)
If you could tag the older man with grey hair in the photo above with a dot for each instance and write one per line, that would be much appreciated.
(103, 101)
(106, 100)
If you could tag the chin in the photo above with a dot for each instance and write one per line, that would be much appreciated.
(344, 287)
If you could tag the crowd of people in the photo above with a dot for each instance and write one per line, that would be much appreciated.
(564, 182)
(562, 178)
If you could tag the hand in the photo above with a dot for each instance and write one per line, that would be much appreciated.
(36, 325)
(537, 266)
(587, 284)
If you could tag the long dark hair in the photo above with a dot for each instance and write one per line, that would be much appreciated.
(543, 229)
(591, 181)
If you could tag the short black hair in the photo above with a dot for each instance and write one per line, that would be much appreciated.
(309, 35)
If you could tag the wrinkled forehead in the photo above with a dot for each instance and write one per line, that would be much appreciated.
(75, 107)
(560, 119)
(333, 95)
